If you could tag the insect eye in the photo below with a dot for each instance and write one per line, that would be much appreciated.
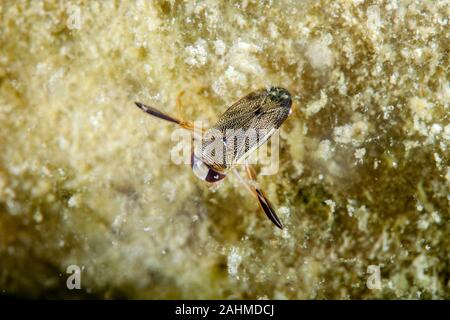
(279, 95)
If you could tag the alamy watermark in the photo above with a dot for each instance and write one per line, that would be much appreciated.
(74, 279)
(73, 17)
(227, 148)
(374, 280)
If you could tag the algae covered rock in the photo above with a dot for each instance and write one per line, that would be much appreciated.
(87, 180)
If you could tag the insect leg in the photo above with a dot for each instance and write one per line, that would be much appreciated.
(263, 201)
(254, 189)
(178, 104)
(158, 114)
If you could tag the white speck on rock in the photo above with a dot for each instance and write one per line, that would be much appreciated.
(325, 151)
(96, 120)
(420, 108)
(148, 178)
(447, 132)
(319, 54)
(38, 217)
(147, 68)
(423, 224)
(219, 86)
(285, 211)
(351, 207)
(359, 154)
(169, 190)
(220, 47)
(436, 217)
(241, 57)
(376, 163)
(331, 204)
(435, 129)
(273, 30)
(234, 260)
(73, 202)
(316, 106)
(197, 54)
(419, 207)
(343, 134)
(351, 133)
(235, 76)
(387, 112)
(374, 21)
(55, 79)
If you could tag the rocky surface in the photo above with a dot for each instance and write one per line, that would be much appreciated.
(86, 178)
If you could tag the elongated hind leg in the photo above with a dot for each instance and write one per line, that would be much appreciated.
(161, 115)
(255, 190)
(263, 201)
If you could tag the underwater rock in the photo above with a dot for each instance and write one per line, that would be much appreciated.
(86, 179)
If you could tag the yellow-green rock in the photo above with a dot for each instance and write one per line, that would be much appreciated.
(87, 179)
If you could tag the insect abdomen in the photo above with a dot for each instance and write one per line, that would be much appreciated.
(205, 172)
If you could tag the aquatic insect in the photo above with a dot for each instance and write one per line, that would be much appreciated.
(240, 130)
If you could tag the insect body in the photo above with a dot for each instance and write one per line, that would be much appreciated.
(240, 130)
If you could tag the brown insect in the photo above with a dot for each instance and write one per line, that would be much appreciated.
(240, 130)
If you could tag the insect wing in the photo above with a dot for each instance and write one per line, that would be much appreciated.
(247, 125)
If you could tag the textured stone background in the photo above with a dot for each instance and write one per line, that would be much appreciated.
(86, 178)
